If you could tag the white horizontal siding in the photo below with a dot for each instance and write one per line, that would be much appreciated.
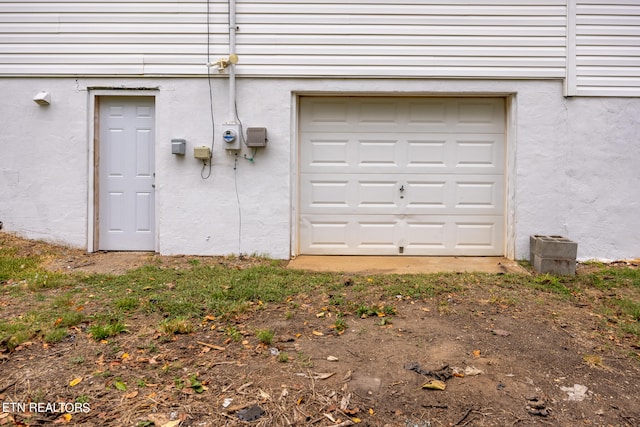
(523, 39)
(359, 38)
(142, 37)
(607, 51)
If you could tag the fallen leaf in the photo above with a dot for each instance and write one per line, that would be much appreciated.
(125, 356)
(65, 418)
(75, 381)
(131, 395)
(476, 353)
(120, 385)
(356, 420)
(434, 385)
(317, 333)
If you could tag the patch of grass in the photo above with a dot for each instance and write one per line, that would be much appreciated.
(550, 283)
(364, 311)
(103, 331)
(55, 335)
(177, 325)
(265, 336)
(72, 318)
(127, 303)
(628, 307)
(283, 357)
(340, 325)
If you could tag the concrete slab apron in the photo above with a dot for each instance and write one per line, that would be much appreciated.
(404, 264)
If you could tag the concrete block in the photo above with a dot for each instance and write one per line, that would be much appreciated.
(557, 247)
(560, 267)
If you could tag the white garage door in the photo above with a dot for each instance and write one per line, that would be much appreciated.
(413, 176)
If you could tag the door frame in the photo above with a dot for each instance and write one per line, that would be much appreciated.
(510, 104)
(93, 187)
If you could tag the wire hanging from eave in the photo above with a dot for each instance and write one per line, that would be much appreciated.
(213, 121)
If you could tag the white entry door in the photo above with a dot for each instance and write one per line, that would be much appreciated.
(403, 175)
(126, 173)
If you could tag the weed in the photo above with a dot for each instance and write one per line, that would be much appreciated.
(77, 360)
(363, 311)
(336, 300)
(444, 308)
(283, 357)
(385, 321)
(83, 398)
(178, 383)
(233, 333)
(304, 360)
(265, 336)
(195, 384)
(340, 325)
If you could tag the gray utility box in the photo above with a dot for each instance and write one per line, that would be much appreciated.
(553, 254)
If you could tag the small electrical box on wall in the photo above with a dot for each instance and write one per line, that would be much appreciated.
(178, 146)
(203, 152)
(231, 136)
(256, 137)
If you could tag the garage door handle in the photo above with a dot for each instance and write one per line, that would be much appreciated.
(402, 192)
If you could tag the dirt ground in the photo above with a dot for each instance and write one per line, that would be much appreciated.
(508, 357)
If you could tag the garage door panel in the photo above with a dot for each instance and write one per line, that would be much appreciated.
(379, 153)
(404, 114)
(430, 153)
(347, 235)
(479, 195)
(478, 235)
(327, 153)
(326, 234)
(390, 235)
(479, 154)
(376, 195)
(380, 233)
(342, 194)
(476, 115)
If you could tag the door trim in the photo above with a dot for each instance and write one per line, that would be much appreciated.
(93, 138)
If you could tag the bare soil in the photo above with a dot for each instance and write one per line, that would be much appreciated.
(530, 360)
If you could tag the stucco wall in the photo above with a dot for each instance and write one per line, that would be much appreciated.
(575, 163)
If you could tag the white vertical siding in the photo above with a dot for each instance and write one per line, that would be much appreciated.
(365, 38)
(607, 51)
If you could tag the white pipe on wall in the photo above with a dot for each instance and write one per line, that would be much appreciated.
(232, 67)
